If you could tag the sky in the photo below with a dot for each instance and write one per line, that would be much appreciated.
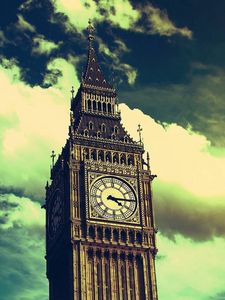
(166, 60)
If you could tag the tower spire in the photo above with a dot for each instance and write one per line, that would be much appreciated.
(93, 76)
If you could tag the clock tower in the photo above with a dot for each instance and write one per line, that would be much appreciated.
(100, 235)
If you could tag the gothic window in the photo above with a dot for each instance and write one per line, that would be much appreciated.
(99, 106)
(131, 279)
(130, 160)
(123, 236)
(115, 129)
(113, 136)
(98, 134)
(99, 281)
(125, 139)
(107, 281)
(89, 104)
(141, 282)
(86, 153)
(100, 155)
(139, 237)
(108, 156)
(104, 107)
(131, 237)
(116, 158)
(94, 105)
(92, 232)
(93, 154)
(85, 132)
(91, 125)
(103, 128)
(109, 108)
(124, 285)
(99, 233)
(115, 235)
(122, 159)
(107, 234)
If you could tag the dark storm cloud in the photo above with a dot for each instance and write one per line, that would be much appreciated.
(180, 212)
(12, 190)
(199, 103)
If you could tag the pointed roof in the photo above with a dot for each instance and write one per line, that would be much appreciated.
(93, 75)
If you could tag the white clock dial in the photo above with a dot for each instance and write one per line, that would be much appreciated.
(113, 198)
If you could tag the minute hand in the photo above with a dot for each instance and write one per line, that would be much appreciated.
(121, 199)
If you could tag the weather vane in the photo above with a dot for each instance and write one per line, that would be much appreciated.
(139, 130)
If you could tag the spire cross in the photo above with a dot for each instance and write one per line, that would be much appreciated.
(90, 30)
(72, 92)
(139, 130)
(53, 157)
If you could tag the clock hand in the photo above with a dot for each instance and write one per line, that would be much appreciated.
(114, 199)
(121, 199)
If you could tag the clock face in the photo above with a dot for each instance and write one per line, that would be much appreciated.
(55, 214)
(113, 198)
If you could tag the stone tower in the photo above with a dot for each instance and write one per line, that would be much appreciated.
(100, 236)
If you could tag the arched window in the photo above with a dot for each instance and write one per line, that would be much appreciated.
(107, 281)
(104, 107)
(103, 128)
(108, 156)
(99, 106)
(100, 155)
(125, 139)
(109, 108)
(99, 280)
(116, 158)
(124, 284)
(85, 132)
(94, 105)
(116, 129)
(91, 126)
(113, 137)
(89, 104)
(99, 134)
(131, 277)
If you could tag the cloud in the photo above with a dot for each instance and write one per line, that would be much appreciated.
(42, 46)
(178, 155)
(22, 249)
(120, 14)
(23, 25)
(189, 190)
(115, 55)
(158, 22)
(189, 270)
(19, 211)
(179, 211)
(30, 118)
(199, 103)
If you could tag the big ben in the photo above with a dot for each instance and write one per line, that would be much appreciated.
(100, 234)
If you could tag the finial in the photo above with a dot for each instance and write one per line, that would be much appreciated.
(72, 92)
(148, 160)
(90, 30)
(53, 157)
(139, 130)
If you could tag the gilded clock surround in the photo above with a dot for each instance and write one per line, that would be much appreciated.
(92, 255)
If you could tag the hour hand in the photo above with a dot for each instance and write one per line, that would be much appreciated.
(114, 199)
